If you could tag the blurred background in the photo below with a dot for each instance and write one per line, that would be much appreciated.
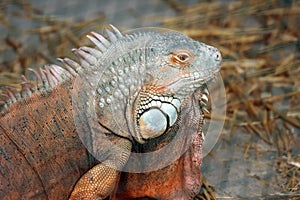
(258, 153)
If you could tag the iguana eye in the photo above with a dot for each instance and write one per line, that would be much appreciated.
(182, 58)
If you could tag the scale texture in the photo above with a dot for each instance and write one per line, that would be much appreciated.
(80, 131)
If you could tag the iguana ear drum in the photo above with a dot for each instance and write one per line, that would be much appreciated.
(154, 121)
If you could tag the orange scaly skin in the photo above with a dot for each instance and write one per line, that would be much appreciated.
(41, 155)
(179, 180)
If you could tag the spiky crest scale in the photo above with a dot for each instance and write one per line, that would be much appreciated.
(51, 75)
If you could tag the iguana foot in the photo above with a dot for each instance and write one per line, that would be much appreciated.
(100, 181)
(97, 183)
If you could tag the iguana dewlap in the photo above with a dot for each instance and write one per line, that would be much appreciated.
(133, 103)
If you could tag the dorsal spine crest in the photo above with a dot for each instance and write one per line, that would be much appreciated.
(49, 76)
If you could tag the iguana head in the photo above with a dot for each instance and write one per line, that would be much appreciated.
(184, 64)
(178, 66)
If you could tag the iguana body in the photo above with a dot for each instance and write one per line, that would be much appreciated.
(134, 94)
(41, 154)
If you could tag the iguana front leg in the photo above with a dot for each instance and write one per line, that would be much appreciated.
(100, 181)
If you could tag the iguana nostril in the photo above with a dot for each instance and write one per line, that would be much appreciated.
(217, 56)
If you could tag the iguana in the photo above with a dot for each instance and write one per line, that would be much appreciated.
(124, 121)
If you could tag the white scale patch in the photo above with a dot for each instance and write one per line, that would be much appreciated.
(170, 111)
(152, 123)
(161, 113)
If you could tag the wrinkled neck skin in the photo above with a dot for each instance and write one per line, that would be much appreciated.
(179, 180)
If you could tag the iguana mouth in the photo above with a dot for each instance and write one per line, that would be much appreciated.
(191, 81)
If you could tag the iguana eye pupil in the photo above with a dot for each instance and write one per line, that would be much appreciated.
(217, 56)
(182, 57)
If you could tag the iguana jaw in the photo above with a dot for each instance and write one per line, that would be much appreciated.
(184, 86)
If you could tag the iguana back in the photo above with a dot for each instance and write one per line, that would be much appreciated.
(42, 156)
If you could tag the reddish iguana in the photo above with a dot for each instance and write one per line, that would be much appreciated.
(134, 101)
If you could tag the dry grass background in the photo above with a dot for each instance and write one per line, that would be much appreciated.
(260, 44)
